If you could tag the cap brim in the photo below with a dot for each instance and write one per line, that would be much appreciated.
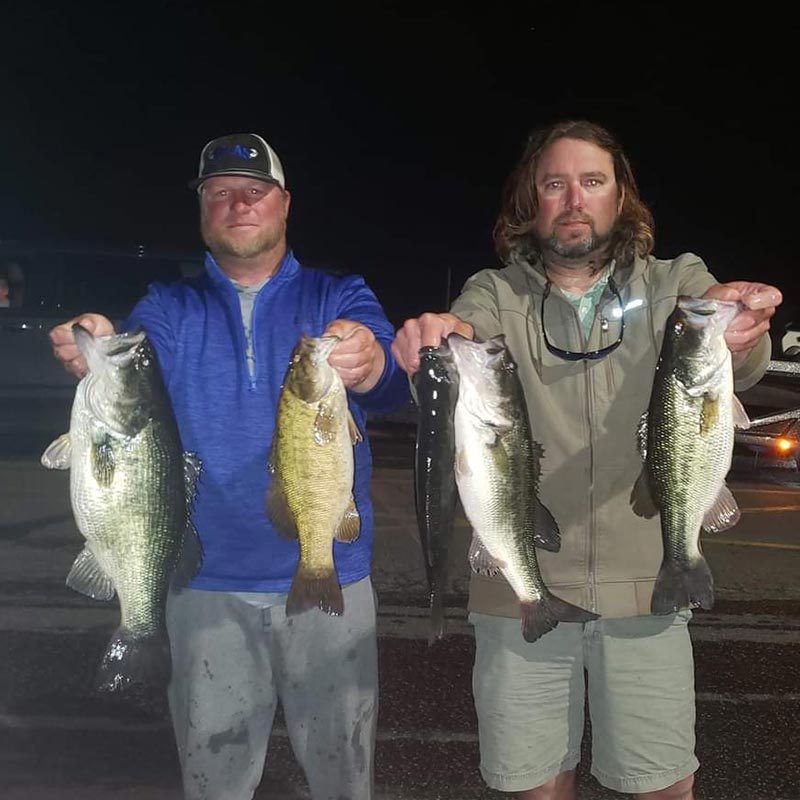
(244, 173)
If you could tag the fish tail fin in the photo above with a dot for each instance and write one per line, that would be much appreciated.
(541, 616)
(682, 586)
(134, 661)
(315, 590)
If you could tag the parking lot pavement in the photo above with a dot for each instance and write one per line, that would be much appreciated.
(59, 741)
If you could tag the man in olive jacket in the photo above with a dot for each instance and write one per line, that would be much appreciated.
(576, 242)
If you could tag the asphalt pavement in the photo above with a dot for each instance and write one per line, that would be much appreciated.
(60, 741)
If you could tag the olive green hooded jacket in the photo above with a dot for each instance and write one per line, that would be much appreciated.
(585, 415)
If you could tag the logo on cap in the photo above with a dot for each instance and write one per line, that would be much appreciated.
(238, 150)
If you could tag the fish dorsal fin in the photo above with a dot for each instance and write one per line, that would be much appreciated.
(88, 577)
(278, 511)
(723, 514)
(352, 429)
(642, 501)
(350, 526)
(58, 454)
(741, 420)
(481, 561)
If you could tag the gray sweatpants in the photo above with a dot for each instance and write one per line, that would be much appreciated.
(235, 655)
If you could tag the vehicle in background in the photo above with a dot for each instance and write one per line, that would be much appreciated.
(770, 448)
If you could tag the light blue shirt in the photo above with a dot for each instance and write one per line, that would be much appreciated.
(586, 303)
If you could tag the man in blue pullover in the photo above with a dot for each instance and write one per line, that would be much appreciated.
(224, 341)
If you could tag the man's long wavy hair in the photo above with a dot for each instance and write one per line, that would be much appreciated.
(513, 236)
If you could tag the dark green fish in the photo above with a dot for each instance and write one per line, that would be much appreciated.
(436, 384)
(686, 440)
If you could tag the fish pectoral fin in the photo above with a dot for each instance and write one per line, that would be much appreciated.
(103, 462)
(58, 454)
(723, 514)
(481, 561)
(352, 429)
(88, 577)
(278, 511)
(642, 501)
(350, 526)
(741, 420)
(545, 529)
(190, 558)
(462, 464)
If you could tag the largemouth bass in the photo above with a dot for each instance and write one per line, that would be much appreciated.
(131, 487)
(435, 494)
(497, 473)
(686, 440)
(311, 464)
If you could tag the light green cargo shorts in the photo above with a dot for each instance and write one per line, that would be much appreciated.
(530, 700)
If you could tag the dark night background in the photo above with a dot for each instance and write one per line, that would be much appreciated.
(397, 124)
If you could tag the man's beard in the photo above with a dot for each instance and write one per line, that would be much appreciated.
(230, 246)
(594, 242)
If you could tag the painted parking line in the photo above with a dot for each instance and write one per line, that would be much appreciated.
(743, 543)
(769, 509)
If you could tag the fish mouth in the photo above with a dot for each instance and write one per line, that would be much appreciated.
(109, 395)
(322, 348)
(455, 341)
(315, 349)
(463, 349)
(704, 311)
(116, 349)
(442, 348)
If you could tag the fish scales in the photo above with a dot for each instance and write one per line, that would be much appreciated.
(318, 477)
(690, 459)
(149, 467)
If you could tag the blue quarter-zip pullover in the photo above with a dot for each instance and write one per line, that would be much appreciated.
(226, 415)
